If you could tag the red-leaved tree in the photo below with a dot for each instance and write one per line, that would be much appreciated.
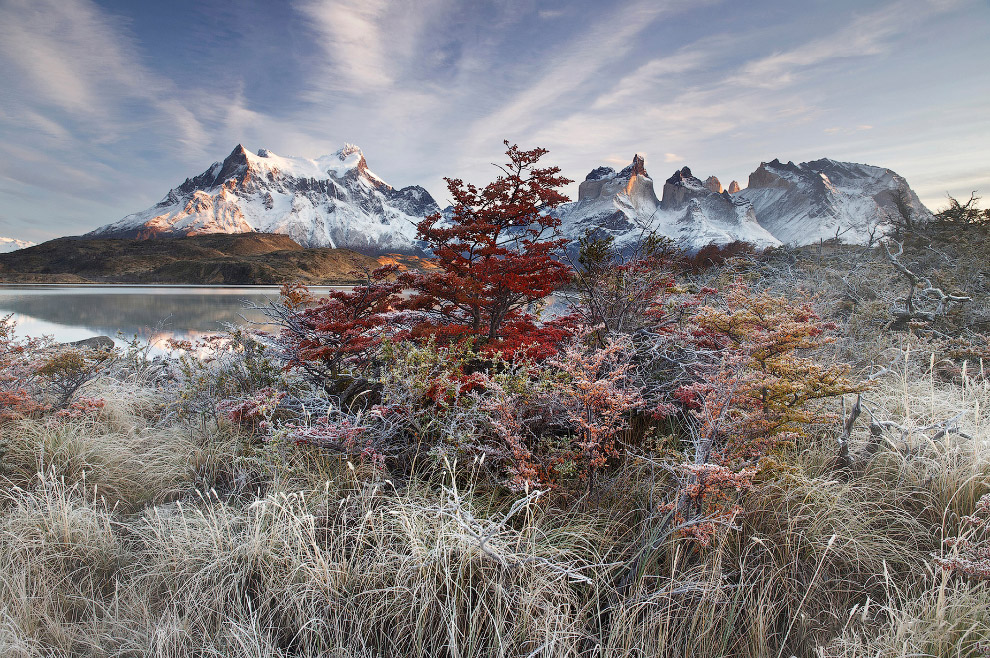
(336, 338)
(494, 259)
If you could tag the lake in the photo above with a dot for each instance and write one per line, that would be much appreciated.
(151, 313)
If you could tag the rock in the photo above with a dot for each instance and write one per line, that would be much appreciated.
(821, 199)
(624, 206)
(734, 187)
(638, 166)
(680, 188)
(713, 184)
(768, 175)
(102, 343)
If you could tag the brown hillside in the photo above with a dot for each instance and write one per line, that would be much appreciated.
(243, 259)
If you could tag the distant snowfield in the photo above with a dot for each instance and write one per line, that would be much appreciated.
(11, 244)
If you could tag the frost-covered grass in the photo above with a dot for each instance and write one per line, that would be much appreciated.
(136, 533)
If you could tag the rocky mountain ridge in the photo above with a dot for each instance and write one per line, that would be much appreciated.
(824, 199)
(783, 204)
(624, 206)
(333, 201)
(337, 201)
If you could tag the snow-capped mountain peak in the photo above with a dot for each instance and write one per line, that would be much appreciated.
(331, 201)
(624, 205)
(336, 200)
(820, 199)
(12, 244)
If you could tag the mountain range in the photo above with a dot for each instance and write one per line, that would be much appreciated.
(337, 201)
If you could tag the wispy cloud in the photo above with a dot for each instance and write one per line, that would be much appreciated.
(81, 70)
(866, 35)
(606, 41)
(351, 33)
(93, 102)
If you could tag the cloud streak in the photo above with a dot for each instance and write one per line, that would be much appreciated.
(98, 119)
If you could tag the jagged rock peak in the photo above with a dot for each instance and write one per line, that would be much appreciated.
(349, 152)
(680, 176)
(348, 149)
(637, 168)
(764, 177)
(639, 165)
(599, 173)
(713, 184)
(734, 187)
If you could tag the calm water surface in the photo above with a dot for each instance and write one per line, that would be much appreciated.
(151, 313)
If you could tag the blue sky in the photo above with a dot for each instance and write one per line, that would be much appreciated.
(104, 106)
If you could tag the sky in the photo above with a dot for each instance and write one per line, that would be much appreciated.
(105, 105)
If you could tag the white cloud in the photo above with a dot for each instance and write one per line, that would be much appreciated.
(608, 40)
(351, 33)
(68, 59)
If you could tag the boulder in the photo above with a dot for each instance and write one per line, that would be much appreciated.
(94, 343)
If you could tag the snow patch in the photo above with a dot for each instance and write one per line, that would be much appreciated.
(8, 245)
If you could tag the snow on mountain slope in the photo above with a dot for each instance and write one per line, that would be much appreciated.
(333, 201)
(336, 201)
(11, 244)
(624, 205)
(802, 204)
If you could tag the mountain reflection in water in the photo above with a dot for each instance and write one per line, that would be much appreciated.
(152, 313)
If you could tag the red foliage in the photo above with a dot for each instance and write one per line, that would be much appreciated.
(596, 397)
(341, 331)
(20, 361)
(494, 259)
(343, 436)
(255, 411)
(712, 489)
(81, 408)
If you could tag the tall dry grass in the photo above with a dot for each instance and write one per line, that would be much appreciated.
(125, 535)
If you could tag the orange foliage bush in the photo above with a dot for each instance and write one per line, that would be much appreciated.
(20, 383)
(748, 392)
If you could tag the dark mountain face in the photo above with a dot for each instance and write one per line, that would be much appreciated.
(252, 258)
